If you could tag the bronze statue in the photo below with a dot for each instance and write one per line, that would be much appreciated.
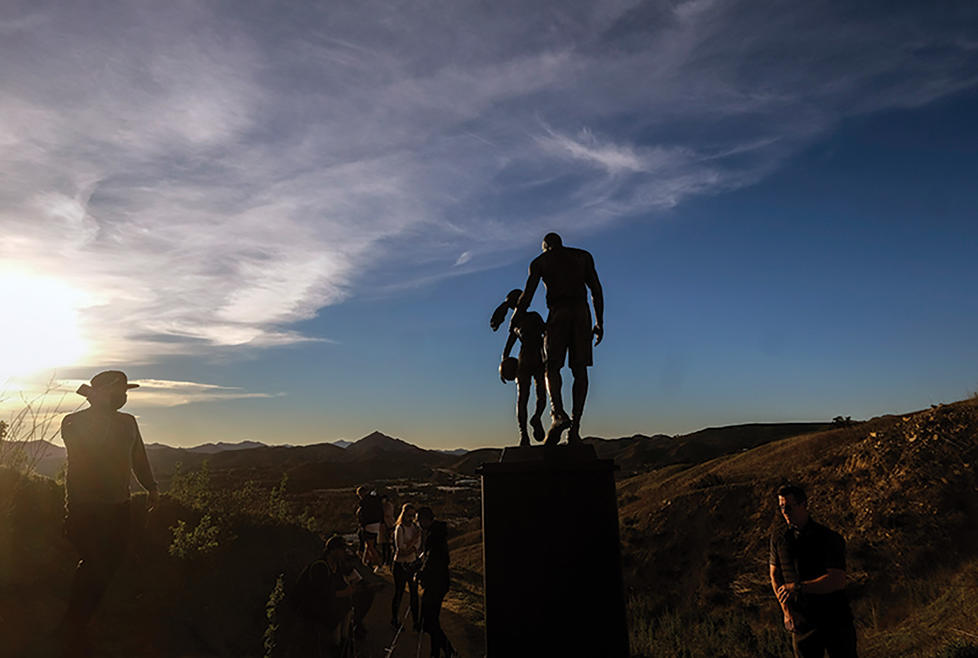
(567, 273)
(530, 331)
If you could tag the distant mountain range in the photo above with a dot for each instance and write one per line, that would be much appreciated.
(211, 448)
(640, 453)
(381, 457)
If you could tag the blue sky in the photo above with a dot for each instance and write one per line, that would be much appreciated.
(291, 222)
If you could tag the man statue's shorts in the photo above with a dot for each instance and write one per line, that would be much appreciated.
(569, 330)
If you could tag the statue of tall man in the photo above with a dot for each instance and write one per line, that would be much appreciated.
(567, 273)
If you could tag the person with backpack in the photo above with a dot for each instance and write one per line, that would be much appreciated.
(370, 518)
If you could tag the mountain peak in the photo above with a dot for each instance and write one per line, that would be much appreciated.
(376, 435)
(379, 442)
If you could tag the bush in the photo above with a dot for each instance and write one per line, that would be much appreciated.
(958, 649)
(195, 490)
(203, 539)
(721, 632)
(272, 615)
(24, 437)
(708, 480)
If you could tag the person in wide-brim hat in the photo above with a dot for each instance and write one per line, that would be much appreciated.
(103, 446)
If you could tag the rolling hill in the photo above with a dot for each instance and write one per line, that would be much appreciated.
(695, 515)
(901, 489)
(317, 466)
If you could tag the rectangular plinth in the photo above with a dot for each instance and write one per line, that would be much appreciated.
(552, 558)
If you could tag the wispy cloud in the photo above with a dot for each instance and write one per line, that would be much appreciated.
(613, 158)
(212, 175)
(167, 393)
(58, 396)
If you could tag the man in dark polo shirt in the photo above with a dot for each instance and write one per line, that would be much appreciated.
(808, 575)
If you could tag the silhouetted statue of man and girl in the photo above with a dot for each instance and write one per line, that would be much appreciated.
(568, 274)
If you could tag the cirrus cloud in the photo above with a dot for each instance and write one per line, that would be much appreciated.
(212, 173)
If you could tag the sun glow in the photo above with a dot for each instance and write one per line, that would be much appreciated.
(39, 328)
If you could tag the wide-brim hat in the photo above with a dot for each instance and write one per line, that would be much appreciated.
(111, 379)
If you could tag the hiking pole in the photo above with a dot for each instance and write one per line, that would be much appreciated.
(420, 637)
(400, 627)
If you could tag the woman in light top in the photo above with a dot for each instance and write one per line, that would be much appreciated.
(407, 545)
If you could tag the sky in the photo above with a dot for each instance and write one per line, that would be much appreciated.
(290, 221)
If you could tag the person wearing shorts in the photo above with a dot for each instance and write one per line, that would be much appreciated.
(568, 274)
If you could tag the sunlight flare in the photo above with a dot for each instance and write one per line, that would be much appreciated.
(39, 327)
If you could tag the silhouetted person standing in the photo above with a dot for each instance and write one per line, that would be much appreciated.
(103, 445)
(568, 274)
(386, 537)
(435, 580)
(370, 518)
(530, 330)
(323, 598)
(808, 575)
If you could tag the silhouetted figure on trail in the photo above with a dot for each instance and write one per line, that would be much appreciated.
(530, 330)
(370, 518)
(386, 538)
(808, 575)
(103, 445)
(435, 580)
(568, 274)
(324, 599)
(407, 541)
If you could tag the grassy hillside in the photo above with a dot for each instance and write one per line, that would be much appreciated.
(901, 489)
(201, 568)
(640, 454)
(695, 524)
(209, 601)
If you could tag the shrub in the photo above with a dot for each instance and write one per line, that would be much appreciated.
(721, 632)
(195, 489)
(201, 540)
(192, 489)
(23, 438)
(272, 615)
(708, 480)
(958, 649)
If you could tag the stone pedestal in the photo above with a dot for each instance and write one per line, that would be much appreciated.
(553, 584)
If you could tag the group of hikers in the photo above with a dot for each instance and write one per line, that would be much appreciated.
(334, 593)
(414, 547)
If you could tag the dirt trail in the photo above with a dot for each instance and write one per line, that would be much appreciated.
(468, 640)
